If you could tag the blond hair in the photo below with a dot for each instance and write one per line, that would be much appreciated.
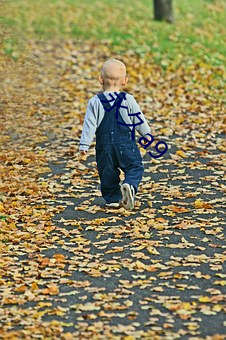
(112, 71)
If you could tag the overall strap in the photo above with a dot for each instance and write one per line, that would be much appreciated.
(105, 102)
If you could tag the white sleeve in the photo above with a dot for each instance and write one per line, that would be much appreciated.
(89, 128)
(143, 127)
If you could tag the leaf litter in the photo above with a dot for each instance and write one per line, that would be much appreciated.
(71, 268)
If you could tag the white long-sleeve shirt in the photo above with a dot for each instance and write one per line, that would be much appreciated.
(95, 113)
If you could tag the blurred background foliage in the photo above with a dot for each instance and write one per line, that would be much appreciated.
(198, 31)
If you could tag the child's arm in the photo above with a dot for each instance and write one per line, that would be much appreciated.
(89, 129)
(143, 128)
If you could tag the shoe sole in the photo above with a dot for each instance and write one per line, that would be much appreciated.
(127, 197)
(114, 205)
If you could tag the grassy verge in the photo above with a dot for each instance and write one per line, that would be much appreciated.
(197, 33)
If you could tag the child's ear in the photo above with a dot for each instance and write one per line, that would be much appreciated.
(125, 81)
(101, 80)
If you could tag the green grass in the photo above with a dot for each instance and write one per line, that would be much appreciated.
(198, 31)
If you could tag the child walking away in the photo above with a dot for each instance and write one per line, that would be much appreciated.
(114, 116)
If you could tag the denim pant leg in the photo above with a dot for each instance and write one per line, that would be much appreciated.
(107, 165)
(130, 161)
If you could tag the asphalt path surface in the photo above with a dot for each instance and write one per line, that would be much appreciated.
(182, 296)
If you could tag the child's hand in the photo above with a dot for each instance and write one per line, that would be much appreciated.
(83, 152)
(149, 139)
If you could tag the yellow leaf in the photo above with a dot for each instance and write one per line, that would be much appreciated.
(115, 250)
(34, 286)
(44, 304)
(181, 153)
(12, 225)
(78, 239)
(99, 221)
(67, 336)
(187, 306)
(202, 205)
(153, 251)
(204, 299)
(222, 283)
(158, 289)
(217, 308)
(161, 226)
(1, 208)
(192, 326)
(38, 315)
(140, 265)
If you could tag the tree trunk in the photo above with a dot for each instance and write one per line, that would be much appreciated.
(163, 10)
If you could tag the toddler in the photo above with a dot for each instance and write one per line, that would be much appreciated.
(113, 116)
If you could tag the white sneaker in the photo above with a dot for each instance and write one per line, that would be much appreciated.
(112, 205)
(128, 194)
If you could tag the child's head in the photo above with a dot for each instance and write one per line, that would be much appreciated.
(113, 75)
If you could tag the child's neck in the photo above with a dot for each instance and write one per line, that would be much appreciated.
(111, 89)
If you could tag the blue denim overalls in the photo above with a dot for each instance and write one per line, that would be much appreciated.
(115, 149)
